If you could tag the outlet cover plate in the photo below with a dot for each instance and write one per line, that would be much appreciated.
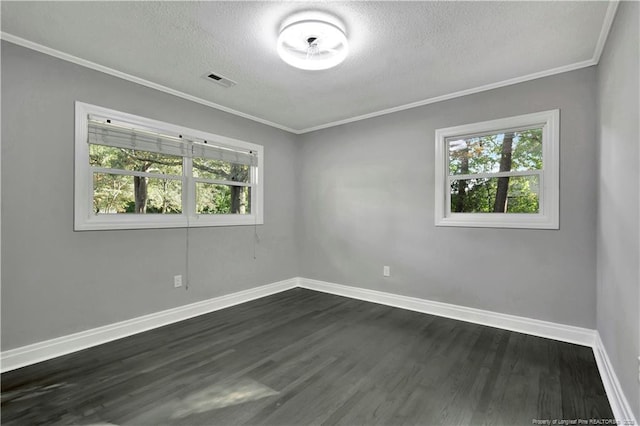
(386, 271)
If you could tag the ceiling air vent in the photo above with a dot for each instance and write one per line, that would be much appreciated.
(218, 79)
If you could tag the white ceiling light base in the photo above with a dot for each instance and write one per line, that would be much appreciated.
(312, 45)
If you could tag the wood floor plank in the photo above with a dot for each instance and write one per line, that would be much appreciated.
(303, 357)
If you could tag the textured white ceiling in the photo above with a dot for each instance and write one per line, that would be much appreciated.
(401, 52)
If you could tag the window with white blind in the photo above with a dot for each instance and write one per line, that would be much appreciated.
(132, 172)
(501, 173)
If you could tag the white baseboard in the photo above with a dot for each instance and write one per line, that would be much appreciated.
(566, 333)
(48, 349)
(619, 404)
(549, 330)
(42, 351)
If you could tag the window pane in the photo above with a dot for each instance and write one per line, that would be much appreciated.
(221, 170)
(516, 194)
(511, 151)
(222, 199)
(129, 159)
(115, 194)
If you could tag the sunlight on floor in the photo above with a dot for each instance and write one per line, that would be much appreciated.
(221, 395)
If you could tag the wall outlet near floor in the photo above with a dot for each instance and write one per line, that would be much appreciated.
(386, 271)
(639, 368)
(177, 281)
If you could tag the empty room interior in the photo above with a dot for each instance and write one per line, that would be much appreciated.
(291, 213)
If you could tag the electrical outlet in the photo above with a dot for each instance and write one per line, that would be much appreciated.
(639, 368)
(177, 281)
(386, 271)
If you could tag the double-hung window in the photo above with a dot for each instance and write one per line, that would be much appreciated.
(132, 172)
(501, 173)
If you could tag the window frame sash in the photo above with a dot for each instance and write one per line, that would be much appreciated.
(548, 197)
(124, 172)
(538, 173)
(84, 217)
(495, 175)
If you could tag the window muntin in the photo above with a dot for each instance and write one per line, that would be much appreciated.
(134, 181)
(479, 195)
(496, 172)
(221, 170)
(121, 194)
(500, 173)
(213, 198)
(107, 157)
(484, 152)
(133, 172)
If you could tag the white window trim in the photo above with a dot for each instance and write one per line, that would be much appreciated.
(549, 216)
(85, 219)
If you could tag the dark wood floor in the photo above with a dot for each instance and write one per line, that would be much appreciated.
(303, 357)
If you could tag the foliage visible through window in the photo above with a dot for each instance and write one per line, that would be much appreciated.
(116, 191)
(514, 158)
(121, 193)
(501, 173)
(132, 167)
(213, 198)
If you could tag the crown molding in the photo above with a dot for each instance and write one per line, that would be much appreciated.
(606, 28)
(602, 39)
(459, 94)
(595, 59)
(132, 78)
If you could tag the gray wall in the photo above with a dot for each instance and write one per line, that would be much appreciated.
(360, 196)
(366, 197)
(56, 281)
(619, 200)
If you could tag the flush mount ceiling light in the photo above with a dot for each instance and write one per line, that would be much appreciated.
(312, 45)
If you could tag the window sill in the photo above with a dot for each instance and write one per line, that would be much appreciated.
(488, 220)
(98, 223)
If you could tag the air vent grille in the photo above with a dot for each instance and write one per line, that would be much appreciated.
(219, 79)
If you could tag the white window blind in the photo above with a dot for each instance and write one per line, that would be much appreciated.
(133, 172)
(207, 150)
(105, 131)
